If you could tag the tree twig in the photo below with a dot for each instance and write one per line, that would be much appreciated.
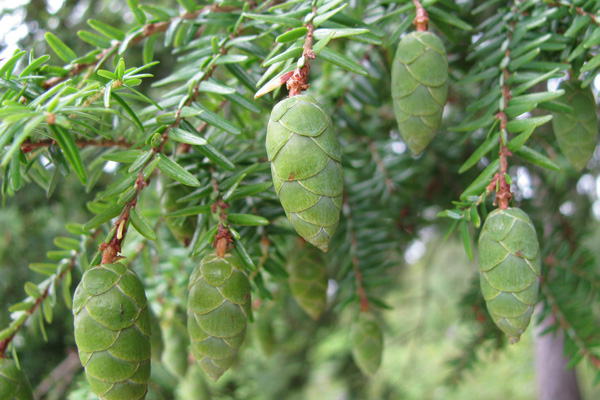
(297, 82)
(147, 31)
(421, 20)
(28, 146)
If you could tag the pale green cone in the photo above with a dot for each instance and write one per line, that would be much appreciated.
(305, 164)
(367, 343)
(218, 310)
(263, 332)
(14, 384)
(308, 281)
(577, 133)
(112, 332)
(510, 265)
(176, 346)
(419, 88)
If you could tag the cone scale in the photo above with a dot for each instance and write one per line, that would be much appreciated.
(305, 164)
(112, 332)
(510, 266)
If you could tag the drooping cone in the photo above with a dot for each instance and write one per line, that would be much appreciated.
(367, 343)
(263, 333)
(218, 310)
(510, 265)
(14, 384)
(577, 133)
(308, 281)
(305, 164)
(419, 88)
(193, 386)
(112, 332)
(176, 346)
(183, 228)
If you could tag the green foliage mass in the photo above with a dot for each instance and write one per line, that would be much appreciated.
(136, 126)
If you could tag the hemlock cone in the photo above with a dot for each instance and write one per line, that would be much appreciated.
(419, 88)
(218, 310)
(14, 384)
(308, 281)
(577, 133)
(510, 265)
(176, 346)
(112, 332)
(367, 343)
(305, 164)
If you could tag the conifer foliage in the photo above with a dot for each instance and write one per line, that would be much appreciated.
(237, 127)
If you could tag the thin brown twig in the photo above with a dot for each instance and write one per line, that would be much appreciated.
(148, 30)
(297, 82)
(360, 289)
(111, 250)
(578, 11)
(421, 20)
(29, 146)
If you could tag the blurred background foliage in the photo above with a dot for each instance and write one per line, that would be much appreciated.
(439, 342)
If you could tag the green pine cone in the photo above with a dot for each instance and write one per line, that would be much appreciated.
(112, 332)
(176, 346)
(305, 164)
(510, 265)
(367, 343)
(156, 342)
(264, 334)
(183, 228)
(218, 310)
(419, 88)
(308, 281)
(577, 133)
(14, 384)
(193, 386)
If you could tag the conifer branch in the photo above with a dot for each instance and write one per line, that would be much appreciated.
(17, 324)
(28, 146)
(147, 31)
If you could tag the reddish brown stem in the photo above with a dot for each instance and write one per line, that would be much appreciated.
(421, 20)
(503, 193)
(149, 30)
(360, 289)
(111, 250)
(297, 82)
(29, 146)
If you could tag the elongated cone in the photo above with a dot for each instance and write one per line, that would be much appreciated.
(183, 228)
(419, 88)
(510, 265)
(367, 343)
(263, 333)
(176, 349)
(218, 310)
(112, 332)
(156, 342)
(14, 385)
(577, 133)
(305, 164)
(308, 281)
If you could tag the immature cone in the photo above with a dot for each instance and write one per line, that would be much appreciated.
(112, 332)
(367, 343)
(14, 385)
(218, 310)
(183, 228)
(577, 133)
(510, 265)
(193, 386)
(263, 333)
(305, 164)
(419, 88)
(308, 282)
(176, 346)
